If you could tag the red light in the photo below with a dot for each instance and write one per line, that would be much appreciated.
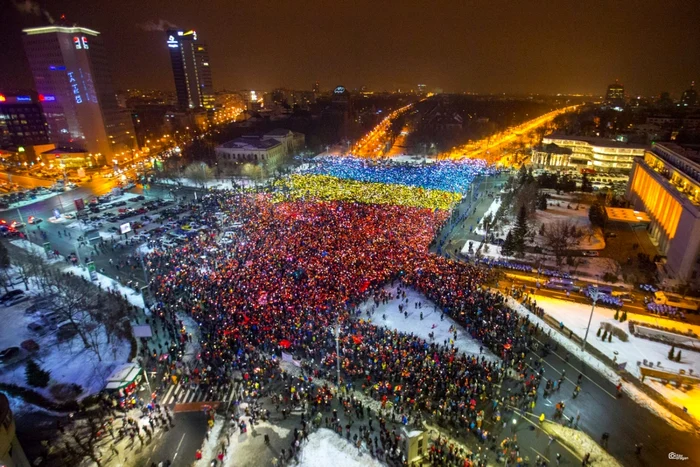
(41, 97)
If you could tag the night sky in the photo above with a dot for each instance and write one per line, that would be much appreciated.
(479, 46)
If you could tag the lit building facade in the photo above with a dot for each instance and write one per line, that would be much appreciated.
(601, 154)
(190, 61)
(11, 452)
(665, 183)
(250, 149)
(71, 74)
(615, 95)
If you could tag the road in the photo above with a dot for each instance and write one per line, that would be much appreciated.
(373, 144)
(494, 143)
(601, 411)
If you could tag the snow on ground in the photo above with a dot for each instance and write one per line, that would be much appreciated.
(688, 398)
(592, 268)
(575, 316)
(581, 443)
(36, 249)
(413, 325)
(216, 184)
(491, 211)
(212, 444)
(324, 448)
(26, 202)
(560, 208)
(106, 283)
(635, 394)
(68, 362)
(134, 297)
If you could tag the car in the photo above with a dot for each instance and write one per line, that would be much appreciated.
(69, 216)
(30, 345)
(120, 203)
(133, 200)
(66, 331)
(17, 225)
(140, 197)
(17, 300)
(11, 295)
(591, 253)
(9, 353)
(34, 220)
(37, 328)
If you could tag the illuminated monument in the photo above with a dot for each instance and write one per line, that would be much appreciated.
(665, 183)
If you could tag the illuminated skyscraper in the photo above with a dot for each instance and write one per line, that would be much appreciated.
(190, 60)
(690, 96)
(71, 74)
(615, 96)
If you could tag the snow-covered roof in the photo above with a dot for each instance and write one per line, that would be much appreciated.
(123, 375)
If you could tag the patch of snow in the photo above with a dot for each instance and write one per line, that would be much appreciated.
(211, 444)
(324, 448)
(422, 328)
(68, 362)
(581, 443)
(633, 392)
(575, 317)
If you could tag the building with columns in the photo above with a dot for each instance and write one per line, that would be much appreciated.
(600, 154)
(665, 183)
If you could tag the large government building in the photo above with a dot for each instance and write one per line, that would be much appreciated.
(665, 183)
(601, 154)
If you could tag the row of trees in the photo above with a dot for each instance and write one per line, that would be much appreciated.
(96, 316)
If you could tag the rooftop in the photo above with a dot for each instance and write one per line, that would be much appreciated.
(63, 29)
(597, 141)
(278, 132)
(251, 143)
(626, 215)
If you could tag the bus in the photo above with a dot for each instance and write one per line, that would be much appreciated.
(674, 300)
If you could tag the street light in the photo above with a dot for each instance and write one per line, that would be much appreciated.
(594, 296)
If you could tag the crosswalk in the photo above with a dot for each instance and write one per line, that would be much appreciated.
(185, 394)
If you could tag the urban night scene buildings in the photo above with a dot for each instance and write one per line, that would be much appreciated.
(350, 234)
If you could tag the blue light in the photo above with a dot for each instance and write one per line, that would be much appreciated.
(57, 68)
(24, 99)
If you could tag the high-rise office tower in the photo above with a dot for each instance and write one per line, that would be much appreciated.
(191, 70)
(615, 95)
(689, 98)
(71, 72)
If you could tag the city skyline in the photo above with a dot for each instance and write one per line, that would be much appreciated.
(458, 48)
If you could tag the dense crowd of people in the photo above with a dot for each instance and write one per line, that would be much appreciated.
(298, 268)
(454, 176)
(327, 188)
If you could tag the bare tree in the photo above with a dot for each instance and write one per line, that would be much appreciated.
(200, 173)
(560, 237)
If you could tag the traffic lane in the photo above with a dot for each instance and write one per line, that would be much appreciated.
(181, 441)
(628, 422)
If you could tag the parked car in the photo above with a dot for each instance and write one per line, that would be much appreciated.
(17, 300)
(11, 295)
(9, 353)
(37, 328)
(30, 345)
(66, 331)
